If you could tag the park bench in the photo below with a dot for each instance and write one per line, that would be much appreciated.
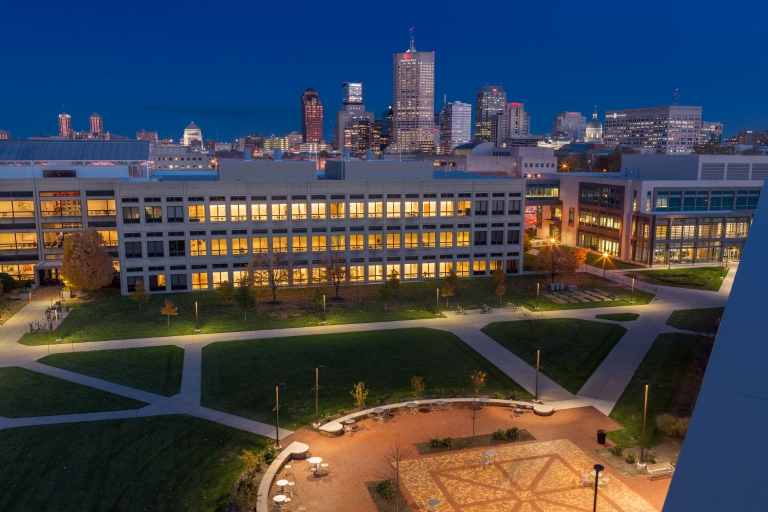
(660, 469)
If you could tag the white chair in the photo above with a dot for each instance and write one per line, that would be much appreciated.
(434, 408)
(447, 406)
(292, 489)
(586, 480)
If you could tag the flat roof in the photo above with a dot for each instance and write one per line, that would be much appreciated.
(21, 150)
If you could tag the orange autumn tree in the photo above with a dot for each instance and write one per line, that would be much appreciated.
(169, 310)
(86, 264)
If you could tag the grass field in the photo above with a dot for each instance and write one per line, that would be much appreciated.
(596, 260)
(698, 278)
(619, 317)
(153, 369)
(239, 376)
(674, 366)
(24, 393)
(106, 315)
(571, 349)
(139, 464)
(702, 320)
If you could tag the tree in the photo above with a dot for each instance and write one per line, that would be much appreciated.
(499, 277)
(418, 385)
(359, 393)
(752, 152)
(139, 294)
(589, 160)
(452, 279)
(446, 291)
(226, 290)
(324, 154)
(532, 319)
(558, 260)
(527, 244)
(275, 268)
(478, 380)
(335, 270)
(8, 282)
(86, 264)
(317, 299)
(169, 310)
(388, 289)
(568, 164)
(394, 457)
(244, 299)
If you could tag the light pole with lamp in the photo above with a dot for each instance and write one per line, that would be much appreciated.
(325, 320)
(277, 414)
(538, 361)
(632, 297)
(642, 436)
(537, 296)
(598, 469)
(317, 394)
(437, 302)
(58, 338)
(605, 257)
(197, 327)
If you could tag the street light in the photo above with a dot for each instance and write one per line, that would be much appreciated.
(605, 257)
(645, 413)
(538, 360)
(317, 391)
(277, 414)
(537, 296)
(598, 469)
(197, 328)
(437, 302)
(632, 297)
(58, 338)
(325, 320)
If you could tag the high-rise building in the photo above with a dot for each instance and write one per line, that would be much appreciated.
(351, 93)
(295, 139)
(210, 145)
(711, 133)
(519, 121)
(311, 116)
(144, 135)
(455, 125)
(491, 100)
(672, 129)
(386, 124)
(413, 99)
(568, 123)
(360, 134)
(352, 112)
(5, 135)
(65, 125)
(594, 131)
(193, 135)
(97, 124)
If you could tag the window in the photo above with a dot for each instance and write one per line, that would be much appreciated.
(177, 248)
(196, 213)
(200, 281)
(481, 207)
(153, 214)
(157, 283)
(393, 209)
(462, 239)
(258, 212)
(411, 271)
(319, 244)
(175, 214)
(337, 210)
(462, 268)
(375, 273)
(279, 211)
(446, 267)
(412, 209)
(131, 215)
(70, 208)
(96, 207)
(497, 238)
(300, 276)
(22, 209)
(299, 211)
(218, 278)
(429, 209)
(375, 210)
(513, 236)
(356, 242)
(497, 207)
(16, 241)
(428, 239)
(280, 244)
(464, 208)
(197, 248)
(109, 236)
(356, 210)
(155, 249)
(393, 240)
(478, 268)
(318, 211)
(374, 241)
(299, 244)
(356, 273)
(260, 245)
(218, 212)
(481, 237)
(570, 216)
(446, 208)
(238, 212)
(133, 250)
(446, 239)
(338, 242)
(178, 281)
(239, 246)
(393, 268)
(427, 270)
(238, 276)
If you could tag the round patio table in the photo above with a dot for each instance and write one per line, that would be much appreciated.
(411, 406)
(592, 474)
(315, 460)
(350, 421)
(281, 484)
(433, 503)
(379, 411)
(279, 498)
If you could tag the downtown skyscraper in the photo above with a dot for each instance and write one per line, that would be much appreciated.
(97, 124)
(65, 125)
(491, 101)
(413, 100)
(311, 116)
(455, 125)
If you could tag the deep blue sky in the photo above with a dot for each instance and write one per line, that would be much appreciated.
(240, 67)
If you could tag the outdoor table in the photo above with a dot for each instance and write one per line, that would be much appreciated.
(315, 461)
(440, 404)
(592, 474)
(379, 411)
(281, 484)
(279, 498)
(433, 503)
(412, 407)
(490, 454)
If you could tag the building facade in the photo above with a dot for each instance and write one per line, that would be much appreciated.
(518, 120)
(97, 123)
(65, 125)
(148, 136)
(672, 130)
(568, 124)
(490, 102)
(711, 133)
(311, 116)
(193, 135)
(5, 135)
(455, 125)
(413, 100)
(593, 134)
(352, 119)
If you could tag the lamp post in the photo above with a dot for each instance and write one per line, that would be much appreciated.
(197, 328)
(598, 469)
(58, 338)
(437, 302)
(277, 414)
(605, 257)
(632, 297)
(645, 413)
(537, 296)
(538, 361)
(325, 321)
(317, 392)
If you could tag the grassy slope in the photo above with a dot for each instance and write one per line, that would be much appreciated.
(564, 358)
(155, 463)
(239, 376)
(24, 393)
(698, 278)
(596, 260)
(693, 319)
(153, 369)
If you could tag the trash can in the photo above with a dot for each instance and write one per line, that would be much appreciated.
(601, 436)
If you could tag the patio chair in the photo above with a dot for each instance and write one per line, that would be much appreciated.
(302, 508)
(288, 470)
(447, 406)
(370, 416)
(292, 489)
(402, 409)
(434, 408)
(485, 463)
(586, 480)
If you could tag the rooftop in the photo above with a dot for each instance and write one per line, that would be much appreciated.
(14, 150)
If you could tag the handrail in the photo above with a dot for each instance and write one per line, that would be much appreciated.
(626, 281)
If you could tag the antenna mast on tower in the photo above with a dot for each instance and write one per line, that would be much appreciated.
(412, 49)
(677, 96)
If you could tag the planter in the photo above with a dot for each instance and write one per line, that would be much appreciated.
(66, 294)
(641, 467)
(25, 296)
(316, 425)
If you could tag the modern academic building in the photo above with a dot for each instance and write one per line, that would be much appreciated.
(660, 209)
(191, 234)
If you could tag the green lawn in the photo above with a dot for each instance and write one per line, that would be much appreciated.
(596, 260)
(239, 376)
(138, 464)
(106, 315)
(702, 320)
(571, 349)
(24, 393)
(153, 369)
(674, 366)
(619, 317)
(699, 278)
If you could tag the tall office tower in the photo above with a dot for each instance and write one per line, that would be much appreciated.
(144, 135)
(360, 134)
(519, 122)
(352, 110)
(711, 133)
(455, 125)
(97, 124)
(193, 135)
(386, 126)
(311, 116)
(672, 129)
(594, 131)
(413, 99)
(568, 123)
(491, 100)
(65, 125)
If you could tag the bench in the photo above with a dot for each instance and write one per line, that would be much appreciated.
(543, 410)
(660, 469)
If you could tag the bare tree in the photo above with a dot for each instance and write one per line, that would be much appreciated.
(394, 457)
(272, 269)
(334, 270)
(589, 160)
(531, 319)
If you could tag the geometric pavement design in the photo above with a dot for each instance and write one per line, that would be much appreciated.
(536, 476)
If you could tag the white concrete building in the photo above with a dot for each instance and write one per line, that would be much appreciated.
(192, 133)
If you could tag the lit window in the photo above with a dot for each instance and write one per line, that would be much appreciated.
(338, 242)
(299, 244)
(218, 247)
(337, 210)
(374, 241)
(411, 241)
(446, 239)
(428, 239)
(429, 209)
(393, 240)
(446, 267)
(318, 211)
(258, 212)
(464, 208)
(375, 210)
(411, 271)
(218, 212)
(260, 245)
(239, 246)
(109, 236)
(299, 211)
(218, 278)
(356, 273)
(462, 239)
(197, 248)
(299, 276)
(96, 208)
(319, 244)
(318, 275)
(279, 211)
(375, 273)
(427, 270)
(478, 268)
(446, 208)
(411, 209)
(462, 268)
(356, 210)
(200, 281)
(393, 210)
(356, 242)
(239, 212)
(280, 244)
(196, 213)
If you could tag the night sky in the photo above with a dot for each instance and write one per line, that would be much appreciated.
(242, 68)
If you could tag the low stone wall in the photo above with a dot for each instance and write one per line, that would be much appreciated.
(294, 451)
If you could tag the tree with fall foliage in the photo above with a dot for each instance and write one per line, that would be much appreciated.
(169, 310)
(139, 294)
(86, 264)
(274, 269)
(499, 277)
(558, 260)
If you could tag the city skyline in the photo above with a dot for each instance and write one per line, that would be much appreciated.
(235, 100)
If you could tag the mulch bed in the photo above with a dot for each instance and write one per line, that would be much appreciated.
(463, 443)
